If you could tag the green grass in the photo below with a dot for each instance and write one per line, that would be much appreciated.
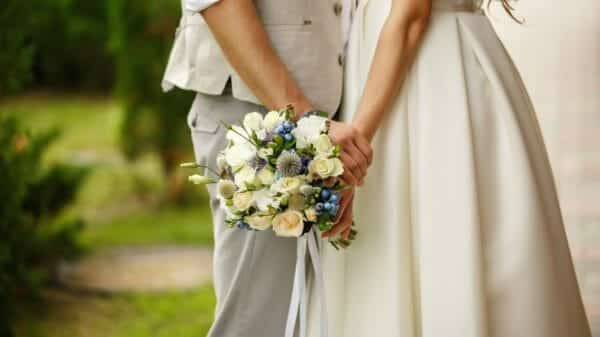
(147, 226)
(176, 314)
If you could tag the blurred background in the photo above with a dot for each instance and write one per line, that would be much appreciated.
(101, 235)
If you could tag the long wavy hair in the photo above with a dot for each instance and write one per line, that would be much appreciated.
(508, 7)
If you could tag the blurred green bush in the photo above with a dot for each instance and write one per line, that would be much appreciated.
(115, 45)
(34, 237)
(141, 34)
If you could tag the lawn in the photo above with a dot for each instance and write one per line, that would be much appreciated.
(118, 206)
(168, 225)
(67, 314)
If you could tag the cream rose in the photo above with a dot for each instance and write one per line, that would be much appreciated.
(288, 224)
(288, 185)
(225, 188)
(259, 222)
(323, 145)
(242, 200)
(266, 176)
(326, 167)
(271, 120)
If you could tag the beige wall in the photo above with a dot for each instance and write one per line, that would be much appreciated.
(558, 54)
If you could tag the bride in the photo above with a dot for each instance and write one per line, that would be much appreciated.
(460, 230)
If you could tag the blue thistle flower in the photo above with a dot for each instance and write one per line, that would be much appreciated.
(288, 137)
(289, 164)
(319, 207)
(334, 198)
(325, 194)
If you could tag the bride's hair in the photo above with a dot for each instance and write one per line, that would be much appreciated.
(508, 7)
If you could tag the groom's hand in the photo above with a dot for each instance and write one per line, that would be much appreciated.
(356, 151)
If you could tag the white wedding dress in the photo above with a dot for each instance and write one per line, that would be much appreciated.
(460, 230)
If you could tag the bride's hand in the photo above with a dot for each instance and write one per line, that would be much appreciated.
(343, 220)
(356, 151)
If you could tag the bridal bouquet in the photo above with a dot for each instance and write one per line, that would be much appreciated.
(277, 174)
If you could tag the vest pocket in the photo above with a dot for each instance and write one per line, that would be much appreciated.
(285, 13)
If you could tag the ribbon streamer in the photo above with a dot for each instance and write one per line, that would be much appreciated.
(299, 301)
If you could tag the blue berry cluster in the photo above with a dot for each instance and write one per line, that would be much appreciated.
(243, 225)
(284, 130)
(328, 202)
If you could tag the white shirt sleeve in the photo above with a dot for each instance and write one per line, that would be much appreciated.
(198, 5)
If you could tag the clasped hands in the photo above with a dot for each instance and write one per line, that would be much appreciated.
(357, 156)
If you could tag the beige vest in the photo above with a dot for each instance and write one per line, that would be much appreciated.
(305, 33)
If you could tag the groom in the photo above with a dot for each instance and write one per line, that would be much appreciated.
(242, 56)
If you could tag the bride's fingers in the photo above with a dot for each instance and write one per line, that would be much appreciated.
(346, 233)
(359, 160)
(365, 148)
(349, 178)
(352, 172)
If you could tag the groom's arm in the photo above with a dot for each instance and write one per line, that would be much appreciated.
(242, 37)
(246, 45)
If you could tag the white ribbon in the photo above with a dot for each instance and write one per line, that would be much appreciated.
(299, 301)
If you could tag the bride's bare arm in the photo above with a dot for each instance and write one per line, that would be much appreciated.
(396, 49)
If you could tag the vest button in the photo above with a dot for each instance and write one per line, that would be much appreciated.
(340, 59)
(337, 9)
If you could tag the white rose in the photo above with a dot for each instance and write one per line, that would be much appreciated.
(288, 185)
(225, 188)
(197, 179)
(253, 121)
(263, 199)
(242, 200)
(308, 129)
(259, 222)
(311, 214)
(271, 120)
(238, 135)
(288, 224)
(266, 176)
(239, 154)
(326, 167)
(296, 202)
(323, 145)
(246, 175)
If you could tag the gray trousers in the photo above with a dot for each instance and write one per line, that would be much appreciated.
(253, 271)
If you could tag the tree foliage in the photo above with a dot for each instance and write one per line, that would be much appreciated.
(34, 239)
